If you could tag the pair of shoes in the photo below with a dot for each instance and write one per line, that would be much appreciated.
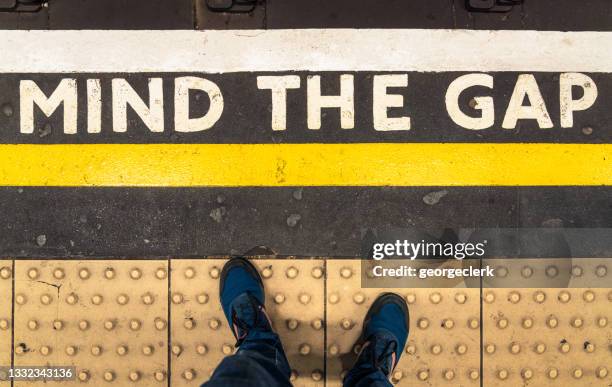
(385, 327)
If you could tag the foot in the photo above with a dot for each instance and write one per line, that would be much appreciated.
(243, 298)
(385, 330)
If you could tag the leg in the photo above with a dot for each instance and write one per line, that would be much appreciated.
(385, 330)
(260, 359)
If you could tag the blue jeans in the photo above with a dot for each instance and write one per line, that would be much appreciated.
(261, 362)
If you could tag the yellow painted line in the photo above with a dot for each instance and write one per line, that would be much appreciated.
(378, 164)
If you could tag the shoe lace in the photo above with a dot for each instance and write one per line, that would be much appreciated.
(382, 361)
(244, 326)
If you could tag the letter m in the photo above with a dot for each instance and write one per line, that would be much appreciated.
(30, 94)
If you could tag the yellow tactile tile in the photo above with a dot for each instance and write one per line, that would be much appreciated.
(6, 299)
(548, 336)
(200, 333)
(106, 318)
(444, 341)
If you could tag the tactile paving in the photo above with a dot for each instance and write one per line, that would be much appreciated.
(6, 320)
(444, 340)
(200, 333)
(135, 322)
(548, 336)
(106, 318)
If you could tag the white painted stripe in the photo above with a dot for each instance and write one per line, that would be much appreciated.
(313, 50)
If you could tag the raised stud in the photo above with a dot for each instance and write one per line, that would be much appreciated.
(160, 323)
(202, 298)
(304, 298)
(147, 298)
(292, 324)
(176, 349)
(359, 298)
(489, 348)
(564, 297)
(160, 376)
(135, 324)
(190, 273)
(489, 297)
(304, 349)
(577, 322)
(123, 299)
(109, 273)
(122, 350)
(33, 273)
(84, 274)
(161, 273)
(316, 375)
(201, 349)
(32, 325)
(134, 376)
(577, 373)
(460, 298)
(602, 322)
(514, 348)
(147, 350)
(423, 323)
(577, 271)
(135, 273)
(267, 272)
(83, 376)
(4, 324)
(473, 323)
(346, 324)
(214, 324)
(589, 347)
(333, 350)
(346, 272)
(109, 325)
(214, 272)
(45, 350)
(177, 298)
(539, 296)
(5, 273)
(435, 298)
(552, 322)
(410, 298)
(72, 299)
(473, 374)
(189, 323)
(552, 271)
(109, 376)
(317, 272)
(588, 296)
(601, 372)
(96, 350)
(292, 272)
(279, 298)
(227, 349)
(436, 349)
(96, 299)
(189, 374)
(333, 298)
(448, 374)
(552, 373)
(564, 347)
(514, 297)
(58, 325)
(601, 271)
(461, 349)
(448, 323)
(526, 271)
(71, 350)
(539, 348)
(46, 299)
(59, 273)
(316, 324)
(423, 374)
(502, 323)
(527, 323)
(21, 299)
(502, 374)
(527, 373)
